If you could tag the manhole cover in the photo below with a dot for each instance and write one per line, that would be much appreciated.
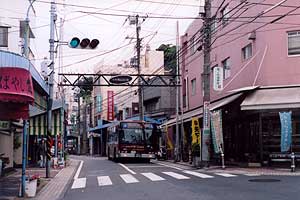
(264, 180)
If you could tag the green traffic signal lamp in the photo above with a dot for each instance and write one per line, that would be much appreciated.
(74, 42)
(83, 44)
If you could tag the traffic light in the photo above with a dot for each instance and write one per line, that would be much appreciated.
(85, 43)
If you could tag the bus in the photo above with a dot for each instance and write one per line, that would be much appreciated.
(132, 139)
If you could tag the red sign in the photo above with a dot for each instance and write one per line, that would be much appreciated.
(16, 85)
(110, 105)
(16, 93)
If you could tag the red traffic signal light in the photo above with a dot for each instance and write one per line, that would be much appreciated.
(83, 44)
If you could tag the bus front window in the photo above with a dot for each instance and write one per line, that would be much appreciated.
(132, 136)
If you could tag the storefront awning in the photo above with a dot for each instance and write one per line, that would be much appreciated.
(199, 111)
(272, 98)
(98, 128)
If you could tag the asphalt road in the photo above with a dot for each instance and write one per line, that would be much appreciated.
(102, 179)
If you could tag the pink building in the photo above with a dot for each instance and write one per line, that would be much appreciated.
(257, 45)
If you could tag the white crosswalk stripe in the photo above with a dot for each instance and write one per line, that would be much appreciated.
(153, 177)
(128, 178)
(226, 175)
(79, 183)
(200, 175)
(104, 180)
(176, 175)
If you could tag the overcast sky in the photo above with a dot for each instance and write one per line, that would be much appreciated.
(111, 30)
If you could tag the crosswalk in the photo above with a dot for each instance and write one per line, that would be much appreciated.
(80, 183)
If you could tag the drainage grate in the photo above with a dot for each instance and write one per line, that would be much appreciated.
(264, 180)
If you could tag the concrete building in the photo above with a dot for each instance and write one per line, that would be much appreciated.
(257, 47)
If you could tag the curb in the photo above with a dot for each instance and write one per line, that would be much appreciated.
(63, 193)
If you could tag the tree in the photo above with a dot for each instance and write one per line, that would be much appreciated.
(169, 57)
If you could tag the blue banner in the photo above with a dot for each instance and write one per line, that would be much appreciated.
(286, 130)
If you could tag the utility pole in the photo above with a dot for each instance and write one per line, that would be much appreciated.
(205, 139)
(138, 52)
(50, 82)
(78, 121)
(177, 144)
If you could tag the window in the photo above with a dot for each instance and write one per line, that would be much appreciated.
(294, 43)
(226, 68)
(225, 15)
(193, 86)
(247, 52)
(3, 36)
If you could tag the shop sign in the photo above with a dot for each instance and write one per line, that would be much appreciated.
(218, 78)
(15, 83)
(110, 105)
(206, 115)
(121, 79)
(4, 125)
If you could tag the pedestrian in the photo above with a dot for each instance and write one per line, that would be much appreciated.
(42, 152)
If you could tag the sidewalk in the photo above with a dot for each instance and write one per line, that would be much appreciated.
(57, 187)
(52, 188)
(10, 184)
(267, 171)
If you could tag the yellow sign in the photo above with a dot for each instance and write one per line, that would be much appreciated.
(169, 142)
(196, 133)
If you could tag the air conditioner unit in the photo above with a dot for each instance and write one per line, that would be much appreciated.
(252, 36)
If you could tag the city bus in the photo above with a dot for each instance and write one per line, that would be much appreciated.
(132, 139)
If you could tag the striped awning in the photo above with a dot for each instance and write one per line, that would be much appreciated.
(38, 123)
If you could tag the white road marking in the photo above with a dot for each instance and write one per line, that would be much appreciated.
(79, 183)
(104, 180)
(226, 175)
(197, 174)
(153, 177)
(125, 167)
(170, 166)
(78, 170)
(128, 178)
(176, 175)
(252, 175)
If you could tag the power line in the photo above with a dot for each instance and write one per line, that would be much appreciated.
(92, 57)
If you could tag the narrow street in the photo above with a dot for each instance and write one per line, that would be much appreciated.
(100, 178)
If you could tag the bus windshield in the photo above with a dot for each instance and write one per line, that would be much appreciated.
(132, 136)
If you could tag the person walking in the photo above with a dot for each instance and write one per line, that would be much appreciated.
(42, 152)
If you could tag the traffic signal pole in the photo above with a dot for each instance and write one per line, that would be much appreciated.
(50, 82)
(205, 139)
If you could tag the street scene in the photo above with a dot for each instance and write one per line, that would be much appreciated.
(149, 99)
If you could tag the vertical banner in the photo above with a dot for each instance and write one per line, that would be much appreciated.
(110, 105)
(286, 130)
(99, 103)
(217, 131)
(206, 115)
(196, 134)
(218, 78)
